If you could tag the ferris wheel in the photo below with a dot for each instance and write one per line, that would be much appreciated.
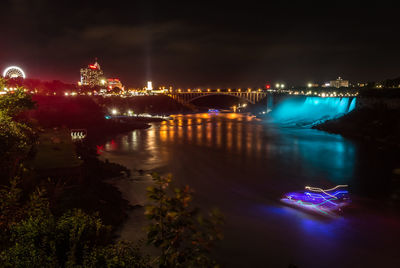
(13, 72)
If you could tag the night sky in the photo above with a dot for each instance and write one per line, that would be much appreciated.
(200, 43)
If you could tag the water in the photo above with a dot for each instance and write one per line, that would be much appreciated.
(308, 111)
(243, 166)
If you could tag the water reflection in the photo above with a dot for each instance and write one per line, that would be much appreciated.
(243, 166)
(316, 154)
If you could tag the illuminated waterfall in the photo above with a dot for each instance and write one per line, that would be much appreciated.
(352, 105)
(270, 103)
(311, 110)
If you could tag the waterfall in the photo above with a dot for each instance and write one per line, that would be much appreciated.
(352, 105)
(270, 103)
(311, 110)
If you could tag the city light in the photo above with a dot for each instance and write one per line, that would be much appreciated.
(91, 75)
(14, 72)
(114, 111)
(149, 85)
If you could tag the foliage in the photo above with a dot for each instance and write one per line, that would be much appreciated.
(16, 138)
(36, 238)
(32, 236)
(12, 104)
(9, 206)
(183, 235)
(120, 254)
(42, 87)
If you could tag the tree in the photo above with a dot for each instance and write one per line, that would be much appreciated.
(184, 236)
(36, 238)
(32, 236)
(16, 137)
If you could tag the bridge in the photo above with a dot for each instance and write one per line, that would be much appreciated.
(249, 95)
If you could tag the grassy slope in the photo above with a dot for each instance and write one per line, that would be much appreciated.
(55, 150)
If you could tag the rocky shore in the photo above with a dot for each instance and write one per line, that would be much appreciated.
(379, 124)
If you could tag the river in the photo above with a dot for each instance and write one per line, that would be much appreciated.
(243, 166)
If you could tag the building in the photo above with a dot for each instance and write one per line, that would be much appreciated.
(113, 83)
(309, 85)
(92, 75)
(339, 83)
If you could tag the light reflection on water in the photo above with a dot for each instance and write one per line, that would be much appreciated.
(243, 166)
(317, 152)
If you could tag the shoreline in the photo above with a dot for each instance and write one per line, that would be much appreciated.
(379, 126)
(93, 187)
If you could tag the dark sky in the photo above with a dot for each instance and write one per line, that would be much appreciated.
(200, 43)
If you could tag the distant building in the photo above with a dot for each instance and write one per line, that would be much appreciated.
(92, 75)
(309, 85)
(113, 83)
(339, 83)
(362, 84)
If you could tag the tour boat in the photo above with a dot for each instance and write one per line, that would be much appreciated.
(322, 201)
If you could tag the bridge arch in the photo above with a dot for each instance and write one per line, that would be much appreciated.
(251, 97)
(219, 94)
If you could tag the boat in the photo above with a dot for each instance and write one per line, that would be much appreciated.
(328, 202)
(213, 110)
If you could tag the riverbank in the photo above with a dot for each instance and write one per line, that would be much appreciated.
(71, 172)
(380, 125)
(74, 177)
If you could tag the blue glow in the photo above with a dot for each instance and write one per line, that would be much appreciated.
(270, 103)
(311, 110)
(322, 201)
(352, 105)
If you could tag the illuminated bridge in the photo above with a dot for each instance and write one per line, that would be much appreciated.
(249, 95)
(289, 107)
(255, 95)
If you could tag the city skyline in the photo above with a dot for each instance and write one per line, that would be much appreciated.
(189, 46)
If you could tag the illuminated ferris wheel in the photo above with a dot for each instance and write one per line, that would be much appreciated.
(13, 72)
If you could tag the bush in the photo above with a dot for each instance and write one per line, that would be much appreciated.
(183, 235)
